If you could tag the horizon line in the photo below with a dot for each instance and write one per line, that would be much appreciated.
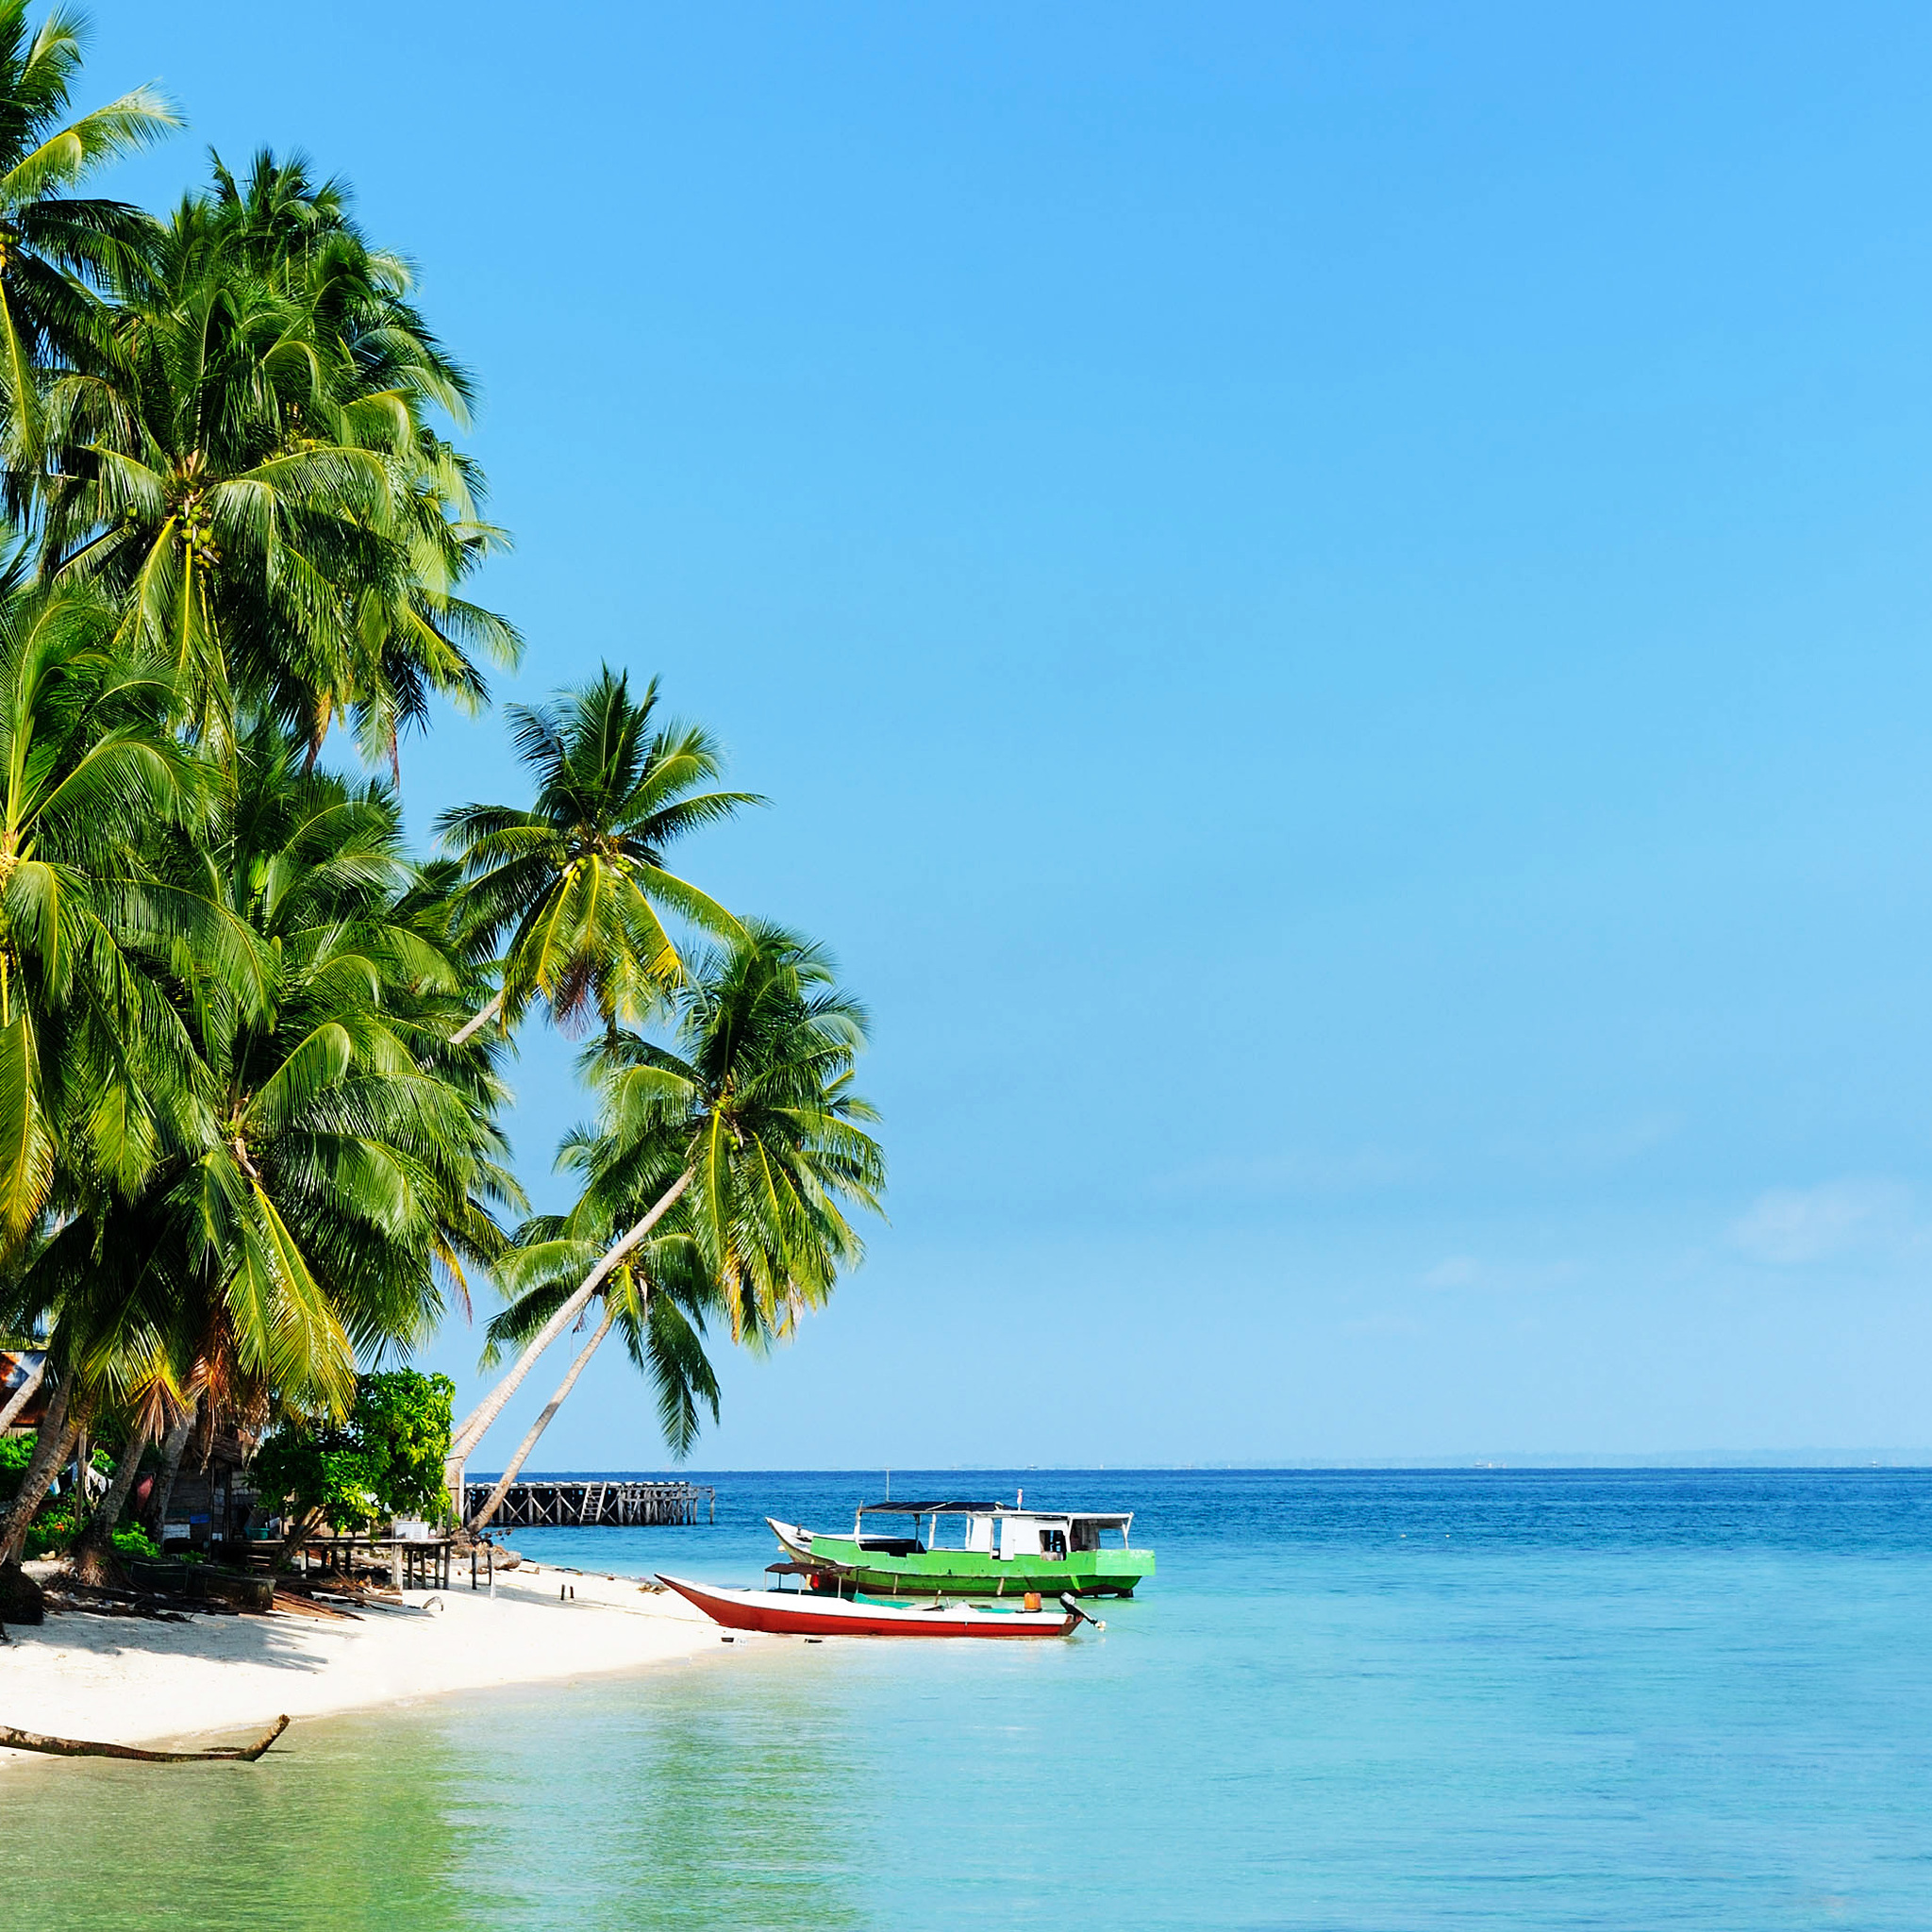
(1766, 1461)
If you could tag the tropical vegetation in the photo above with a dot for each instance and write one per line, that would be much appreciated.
(381, 1460)
(253, 1142)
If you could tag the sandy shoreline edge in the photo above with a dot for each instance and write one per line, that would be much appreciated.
(122, 1680)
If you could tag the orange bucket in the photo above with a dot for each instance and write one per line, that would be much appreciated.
(1032, 1599)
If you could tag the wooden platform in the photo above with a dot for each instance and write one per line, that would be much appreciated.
(587, 1505)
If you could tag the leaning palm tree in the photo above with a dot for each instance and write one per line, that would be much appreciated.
(659, 1299)
(53, 242)
(576, 888)
(754, 1119)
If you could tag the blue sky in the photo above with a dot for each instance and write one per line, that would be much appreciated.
(1334, 605)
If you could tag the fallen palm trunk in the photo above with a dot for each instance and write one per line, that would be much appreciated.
(81, 1747)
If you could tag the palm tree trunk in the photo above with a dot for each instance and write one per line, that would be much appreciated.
(173, 1446)
(475, 1425)
(482, 1019)
(495, 1500)
(23, 1395)
(90, 1548)
(50, 1455)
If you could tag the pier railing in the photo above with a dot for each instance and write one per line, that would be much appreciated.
(585, 1505)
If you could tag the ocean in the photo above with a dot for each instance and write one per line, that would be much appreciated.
(1378, 1701)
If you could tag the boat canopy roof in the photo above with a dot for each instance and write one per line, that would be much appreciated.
(927, 1509)
(1106, 1517)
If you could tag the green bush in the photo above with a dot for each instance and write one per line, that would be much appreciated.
(52, 1531)
(16, 1452)
(133, 1540)
(385, 1460)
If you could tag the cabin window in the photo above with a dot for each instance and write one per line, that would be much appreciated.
(951, 1537)
(1086, 1536)
(1052, 1543)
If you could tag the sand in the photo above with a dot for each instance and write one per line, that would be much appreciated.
(126, 1680)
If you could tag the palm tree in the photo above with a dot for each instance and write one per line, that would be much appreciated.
(578, 882)
(754, 1122)
(51, 242)
(414, 636)
(320, 1202)
(52, 1447)
(246, 458)
(213, 482)
(658, 1297)
(87, 772)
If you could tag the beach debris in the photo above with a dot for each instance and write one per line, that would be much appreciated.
(302, 1604)
(82, 1747)
(112, 1603)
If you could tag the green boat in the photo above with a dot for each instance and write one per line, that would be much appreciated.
(971, 1550)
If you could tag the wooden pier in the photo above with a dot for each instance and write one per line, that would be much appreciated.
(587, 1505)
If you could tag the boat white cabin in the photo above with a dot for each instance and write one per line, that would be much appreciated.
(1002, 1530)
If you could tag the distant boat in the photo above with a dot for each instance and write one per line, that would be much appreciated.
(807, 1613)
(973, 1549)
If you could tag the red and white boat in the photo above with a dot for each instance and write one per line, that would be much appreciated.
(806, 1613)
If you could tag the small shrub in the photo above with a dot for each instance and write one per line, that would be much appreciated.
(52, 1530)
(16, 1452)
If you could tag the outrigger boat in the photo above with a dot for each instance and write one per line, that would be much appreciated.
(973, 1549)
(815, 1613)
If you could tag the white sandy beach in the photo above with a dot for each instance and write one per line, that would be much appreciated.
(128, 1680)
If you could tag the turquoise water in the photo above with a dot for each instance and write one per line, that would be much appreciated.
(1481, 1699)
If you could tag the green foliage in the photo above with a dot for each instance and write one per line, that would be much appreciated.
(133, 1540)
(52, 1531)
(574, 888)
(385, 1460)
(16, 1452)
(250, 1113)
(752, 1136)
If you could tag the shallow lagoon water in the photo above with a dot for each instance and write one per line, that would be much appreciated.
(1383, 1700)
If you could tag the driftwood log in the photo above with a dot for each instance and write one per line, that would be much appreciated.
(80, 1747)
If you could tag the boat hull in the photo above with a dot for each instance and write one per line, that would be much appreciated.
(797, 1613)
(965, 1572)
